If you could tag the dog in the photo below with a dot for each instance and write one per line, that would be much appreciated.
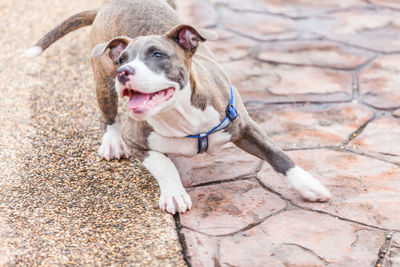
(180, 100)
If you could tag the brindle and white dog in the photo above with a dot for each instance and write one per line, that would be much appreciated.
(175, 89)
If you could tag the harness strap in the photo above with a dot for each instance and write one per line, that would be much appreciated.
(231, 115)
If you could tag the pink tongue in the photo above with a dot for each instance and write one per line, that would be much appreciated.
(137, 100)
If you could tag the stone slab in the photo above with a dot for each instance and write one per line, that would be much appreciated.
(260, 82)
(315, 53)
(292, 8)
(380, 136)
(230, 46)
(394, 253)
(386, 3)
(202, 250)
(379, 83)
(363, 189)
(197, 13)
(396, 113)
(259, 26)
(302, 126)
(302, 238)
(363, 27)
(223, 209)
(229, 162)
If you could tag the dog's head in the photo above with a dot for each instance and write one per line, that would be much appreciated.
(152, 70)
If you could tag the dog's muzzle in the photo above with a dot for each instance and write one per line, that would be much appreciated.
(123, 74)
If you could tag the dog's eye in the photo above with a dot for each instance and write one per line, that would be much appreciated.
(159, 55)
(122, 60)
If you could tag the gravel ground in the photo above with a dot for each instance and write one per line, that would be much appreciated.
(59, 203)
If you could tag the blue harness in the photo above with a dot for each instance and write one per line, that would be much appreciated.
(231, 115)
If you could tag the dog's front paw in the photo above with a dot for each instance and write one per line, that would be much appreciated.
(112, 145)
(307, 186)
(175, 202)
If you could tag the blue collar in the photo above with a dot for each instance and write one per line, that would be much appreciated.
(231, 115)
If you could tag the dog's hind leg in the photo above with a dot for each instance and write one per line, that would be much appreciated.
(254, 141)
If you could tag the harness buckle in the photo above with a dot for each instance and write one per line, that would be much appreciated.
(231, 112)
(202, 141)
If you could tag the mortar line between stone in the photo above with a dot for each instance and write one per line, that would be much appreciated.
(377, 6)
(235, 59)
(252, 102)
(260, 40)
(181, 238)
(370, 156)
(357, 46)
(384, 251)
(312, 148)
(218, 253)
(261, 106)
(309, 250)
(355, 86)
(240, 178)
(262, 11)
(357, 132)
(246, 228)
(252, 225)
(392, 53)
(341, 148)
(355, 7)
(344, 69)
(219, 16)
(283, 15)
(379, 109)
(367, 63)
(243, 177)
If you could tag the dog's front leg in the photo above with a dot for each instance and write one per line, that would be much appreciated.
(173, 197)
(112, 145)
(254, 141)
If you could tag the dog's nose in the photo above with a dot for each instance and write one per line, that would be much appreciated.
(124, 72)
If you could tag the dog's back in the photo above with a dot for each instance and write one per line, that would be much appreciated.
(132, 18)
(120, 17)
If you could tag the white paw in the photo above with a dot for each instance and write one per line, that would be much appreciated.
(112, 145)
(175, 202)
(307, 186)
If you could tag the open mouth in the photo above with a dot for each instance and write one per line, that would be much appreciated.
(141, 102)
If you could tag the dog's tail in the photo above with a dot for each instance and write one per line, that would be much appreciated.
(72, 23)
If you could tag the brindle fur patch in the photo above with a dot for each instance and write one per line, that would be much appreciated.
(71, 24)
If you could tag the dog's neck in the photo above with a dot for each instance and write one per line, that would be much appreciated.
(183, 118)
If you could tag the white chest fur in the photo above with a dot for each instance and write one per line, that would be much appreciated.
(183, 118)
(172, 127)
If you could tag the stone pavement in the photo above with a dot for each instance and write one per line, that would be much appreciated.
(321, 77)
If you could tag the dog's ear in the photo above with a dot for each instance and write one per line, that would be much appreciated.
(116, 45)
(188, 37)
